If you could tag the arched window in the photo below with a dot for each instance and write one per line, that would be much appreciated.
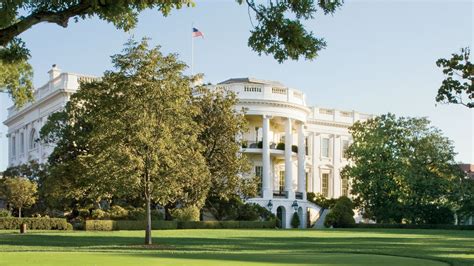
(33, 139)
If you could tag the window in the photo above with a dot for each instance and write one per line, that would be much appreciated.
(33, 139)
(345, 145)
(344, 187)
(281, 181)
(306, 146)
(259, 174)
(13, 146)
(325, 147)
(22, 143)
(325, 185)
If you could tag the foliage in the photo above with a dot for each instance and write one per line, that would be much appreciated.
(279, 30)
(20, 192)
(99, 214)
(458, 85)
(5, 213)
(226, 224)
(413, 226)
(320, 200)
(295, 220)
(8, 223)
(16, 75)
(111, 225)
(31, 170)
(341, 215)
(132, 134)
(465, 195)
(220, 123)
(235, 209)
(117, 212)
(401, 166)
(186, 214)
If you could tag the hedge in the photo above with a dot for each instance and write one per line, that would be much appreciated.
(110, 225)
(414, 226)
(226, 224)
(11, 223)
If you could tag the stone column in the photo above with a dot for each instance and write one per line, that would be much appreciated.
(288, 162)
(266, 176)
(336, 181)
(301, 160)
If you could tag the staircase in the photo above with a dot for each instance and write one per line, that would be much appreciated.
(320, 221)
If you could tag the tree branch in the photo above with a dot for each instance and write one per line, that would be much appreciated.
(61, 18)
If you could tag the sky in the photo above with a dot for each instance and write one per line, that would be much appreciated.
(380, 56)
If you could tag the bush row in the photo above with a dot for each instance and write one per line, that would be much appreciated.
(11, 223)
(110, 225)
(414, 226)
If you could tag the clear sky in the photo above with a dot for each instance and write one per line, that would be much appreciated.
(380, 56)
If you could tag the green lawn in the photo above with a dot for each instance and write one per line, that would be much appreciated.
(237, 247)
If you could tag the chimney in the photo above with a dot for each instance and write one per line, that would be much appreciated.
(54, 72)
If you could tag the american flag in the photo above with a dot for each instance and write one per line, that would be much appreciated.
(197, 33)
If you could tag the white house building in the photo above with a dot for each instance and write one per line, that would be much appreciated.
(294, 148)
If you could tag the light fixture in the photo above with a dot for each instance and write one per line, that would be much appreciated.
(295, 205)
(270, 205)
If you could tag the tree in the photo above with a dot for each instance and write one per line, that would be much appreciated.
(401, 168)
(221, 123)
(458, 85)
(136, 133)
(295, 220)
(341, 215)
(20, 192)
(279, 30)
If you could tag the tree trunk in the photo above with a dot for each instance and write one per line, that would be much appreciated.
(148, 222)
(19, 212)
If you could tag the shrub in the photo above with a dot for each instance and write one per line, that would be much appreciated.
(136, 214)
(226, 224)
(281, 146)
(10, 223)
(117, 213)
(414, 226)
(186, 214)
(320, 200)
(84, 213)
(341, 215)
(5, 213)
(99, 214)
(295, 220)
(69, 227)
(110, 225)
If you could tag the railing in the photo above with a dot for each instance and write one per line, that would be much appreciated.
(280, 194)
(256, 144)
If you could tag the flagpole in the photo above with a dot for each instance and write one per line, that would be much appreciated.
(192, 49)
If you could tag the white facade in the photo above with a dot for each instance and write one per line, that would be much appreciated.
(24, 124)
(278, 117)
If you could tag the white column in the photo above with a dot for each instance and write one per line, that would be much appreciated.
(266, 180)
(336, 162)
(288, 162)
(301, 160)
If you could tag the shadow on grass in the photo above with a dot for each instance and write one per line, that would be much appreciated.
(432, 247)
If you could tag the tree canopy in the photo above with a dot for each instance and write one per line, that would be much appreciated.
(278, 29)
(458, 85)
(403, 170)
(20, 192)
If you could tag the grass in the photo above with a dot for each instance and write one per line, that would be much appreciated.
(236, 247)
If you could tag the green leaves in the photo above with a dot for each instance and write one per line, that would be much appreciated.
(402, 166)
(458, 85)
(280, 31)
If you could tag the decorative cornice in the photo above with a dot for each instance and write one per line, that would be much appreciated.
(328, 123)
(276, 103)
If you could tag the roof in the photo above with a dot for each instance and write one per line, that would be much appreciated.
(252, 80)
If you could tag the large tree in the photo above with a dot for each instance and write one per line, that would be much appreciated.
(458, 85)
(278, 29)
(140, 135)
(403, 169)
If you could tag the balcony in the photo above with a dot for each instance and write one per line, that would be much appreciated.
(275, 148)
(280, 194)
